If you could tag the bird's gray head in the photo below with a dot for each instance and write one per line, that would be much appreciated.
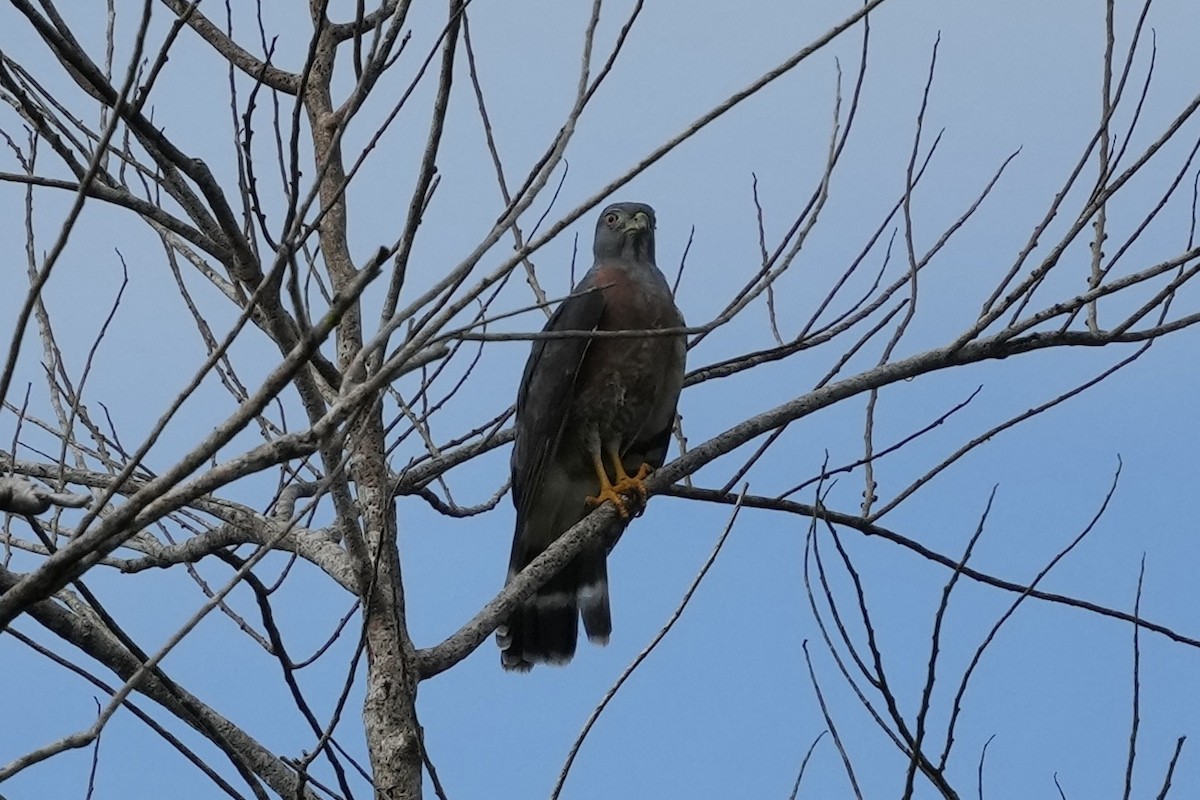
(625, 231)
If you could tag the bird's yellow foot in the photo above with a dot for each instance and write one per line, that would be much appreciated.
(634, 483)
(609, 492)
(625, 489)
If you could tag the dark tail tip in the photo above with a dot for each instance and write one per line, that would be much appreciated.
(542, 631)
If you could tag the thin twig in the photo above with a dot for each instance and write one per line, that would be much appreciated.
(646, 651)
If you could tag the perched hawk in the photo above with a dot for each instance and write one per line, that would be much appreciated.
(594, 417)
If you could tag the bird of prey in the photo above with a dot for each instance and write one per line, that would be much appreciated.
(594, 417)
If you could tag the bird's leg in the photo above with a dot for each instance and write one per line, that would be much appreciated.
(607, 491)
(625, 481)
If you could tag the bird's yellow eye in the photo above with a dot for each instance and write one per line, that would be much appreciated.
(611, 218)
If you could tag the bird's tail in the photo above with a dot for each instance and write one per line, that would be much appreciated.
(544, 629)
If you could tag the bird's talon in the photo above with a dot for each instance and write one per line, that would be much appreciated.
(610, 493)
(628, 484)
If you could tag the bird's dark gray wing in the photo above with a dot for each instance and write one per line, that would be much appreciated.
(547, 386)
(549, 499)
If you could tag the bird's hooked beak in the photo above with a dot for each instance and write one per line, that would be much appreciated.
(638, 222)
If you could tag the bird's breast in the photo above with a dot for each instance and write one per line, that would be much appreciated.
(622, 377)
(634, 303)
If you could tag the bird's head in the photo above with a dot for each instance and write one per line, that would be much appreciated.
(625, 230)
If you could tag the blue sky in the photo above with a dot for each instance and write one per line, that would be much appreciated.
(724, 706)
